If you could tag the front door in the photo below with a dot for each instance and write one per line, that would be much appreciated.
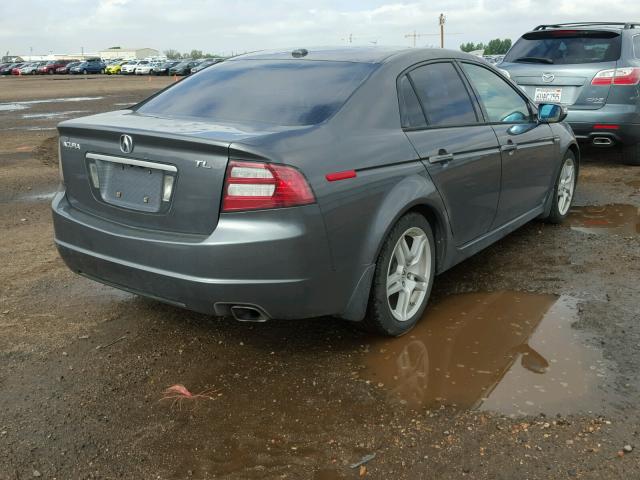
(528, 147)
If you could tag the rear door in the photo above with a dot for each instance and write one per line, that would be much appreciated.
(529, 151)
(461, 154)
(559, 65)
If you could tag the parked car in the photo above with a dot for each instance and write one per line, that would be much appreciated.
(594, 69)
(164, 68)
(204, 64)
(129, 68)
(9, 68)
(183, 68)
(310, 183)
(115, 67)
(51, 67)
(89, 66)
(65, 69)
(27, 69)
(148, 68)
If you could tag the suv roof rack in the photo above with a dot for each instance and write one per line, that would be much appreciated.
(624, 25)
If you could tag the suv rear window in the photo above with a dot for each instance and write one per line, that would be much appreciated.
(566, 47)
(278, 92)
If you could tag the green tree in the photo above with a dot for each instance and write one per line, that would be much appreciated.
(471, 47)
(498, 46)
(172, 54)
(195, 54)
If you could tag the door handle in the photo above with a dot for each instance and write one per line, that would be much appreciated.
(509, 147)
(442, 157)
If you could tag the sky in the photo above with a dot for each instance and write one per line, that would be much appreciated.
(227, 26)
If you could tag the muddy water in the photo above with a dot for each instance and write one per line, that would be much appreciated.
(514, 353)
(607, 219)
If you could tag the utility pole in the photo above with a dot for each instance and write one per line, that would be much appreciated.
(442, 21)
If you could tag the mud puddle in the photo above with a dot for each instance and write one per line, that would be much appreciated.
(514, 353)
(607, 219)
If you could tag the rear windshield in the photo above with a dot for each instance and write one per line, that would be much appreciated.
(566, 47)
(278, 92)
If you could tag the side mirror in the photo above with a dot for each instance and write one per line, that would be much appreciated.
(551, 113)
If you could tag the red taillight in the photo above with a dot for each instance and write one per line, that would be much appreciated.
(617, 76)
(258, 186)
(600, 126)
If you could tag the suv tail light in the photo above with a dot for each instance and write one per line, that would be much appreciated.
(259, 186)
(618, 76)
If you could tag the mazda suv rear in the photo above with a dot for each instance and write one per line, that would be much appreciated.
(593, 68)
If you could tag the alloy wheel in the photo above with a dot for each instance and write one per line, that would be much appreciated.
(408, 274)
(566, 186)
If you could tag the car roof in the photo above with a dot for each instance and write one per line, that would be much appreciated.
(353, 54)
(609, 26)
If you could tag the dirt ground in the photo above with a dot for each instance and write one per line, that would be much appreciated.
(525, 366)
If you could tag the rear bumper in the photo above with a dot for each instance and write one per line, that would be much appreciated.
(276, 260)
(620, 123)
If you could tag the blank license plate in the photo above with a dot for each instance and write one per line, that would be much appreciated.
(130, 186)
(543, 95)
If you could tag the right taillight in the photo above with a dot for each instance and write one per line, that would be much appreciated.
(259, 186)
(617, 76)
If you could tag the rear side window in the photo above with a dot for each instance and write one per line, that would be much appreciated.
(566, 47)
(636, 45)
(277, 92)
(501, 102)
(443, 95)
(410, 109)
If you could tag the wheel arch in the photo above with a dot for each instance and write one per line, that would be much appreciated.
(415, 193)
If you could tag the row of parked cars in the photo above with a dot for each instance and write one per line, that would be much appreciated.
(159, 67)
(113, 67)
(53, 66)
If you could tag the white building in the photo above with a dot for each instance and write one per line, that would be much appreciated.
(128, 53)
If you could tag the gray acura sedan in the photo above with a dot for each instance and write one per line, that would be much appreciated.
(310, 182)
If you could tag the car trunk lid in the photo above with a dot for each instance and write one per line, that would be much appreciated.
(148, 172)
(566, 84)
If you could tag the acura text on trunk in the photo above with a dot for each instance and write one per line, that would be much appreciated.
(310, 183)
(593, 68)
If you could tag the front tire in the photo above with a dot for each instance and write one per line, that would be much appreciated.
(631, 154)
(564, 189)
(403, 277)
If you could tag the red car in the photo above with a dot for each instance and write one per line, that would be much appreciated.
(52, 66)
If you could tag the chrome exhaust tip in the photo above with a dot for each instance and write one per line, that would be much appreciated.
(602, 141)
(245, 313)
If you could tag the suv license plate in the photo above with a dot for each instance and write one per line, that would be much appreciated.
(543, 95)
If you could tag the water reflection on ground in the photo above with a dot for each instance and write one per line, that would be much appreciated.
(515, 353)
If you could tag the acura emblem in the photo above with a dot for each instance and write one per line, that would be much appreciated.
(126, 143)
(548, 77)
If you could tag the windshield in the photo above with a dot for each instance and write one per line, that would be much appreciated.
(279, 92)
(566, 47)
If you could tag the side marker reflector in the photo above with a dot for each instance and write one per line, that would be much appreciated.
(336, 176)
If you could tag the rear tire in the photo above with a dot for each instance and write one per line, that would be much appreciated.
(564, 189)
(403, 277)
(631, 154)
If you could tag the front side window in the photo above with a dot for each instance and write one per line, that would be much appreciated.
(501, 102)
(444, 97)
